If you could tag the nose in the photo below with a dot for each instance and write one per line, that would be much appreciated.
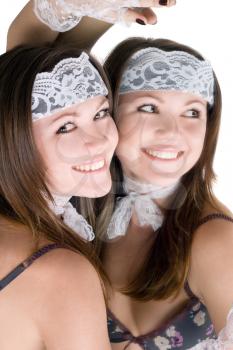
(94, 143)
(166, 126)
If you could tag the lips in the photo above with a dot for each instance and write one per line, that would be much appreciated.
(166, 154)
(90, 167)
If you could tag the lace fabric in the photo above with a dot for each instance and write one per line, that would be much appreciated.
(72, 81)
(55, 15)
(154, 69)
(62, 206)
(140, 198)
(62, 15)
(224, 340)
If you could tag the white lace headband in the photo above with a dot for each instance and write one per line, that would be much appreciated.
(154, 69)
(72, 81)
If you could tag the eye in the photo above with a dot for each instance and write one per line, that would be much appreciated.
(192, 113)
(148, 108)
(66, 128)
(102, 114)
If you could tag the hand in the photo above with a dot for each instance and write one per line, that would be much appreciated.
(62, 15)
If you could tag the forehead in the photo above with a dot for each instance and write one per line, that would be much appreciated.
(162, 96)
(88, 107)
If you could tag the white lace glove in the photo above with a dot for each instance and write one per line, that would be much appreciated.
(224, 340)
(62, 15)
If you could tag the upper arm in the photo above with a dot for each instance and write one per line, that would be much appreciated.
(211, 272)
(85, 34)
(74, 313)
(26, 28)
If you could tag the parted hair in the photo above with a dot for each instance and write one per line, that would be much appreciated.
(166, 266)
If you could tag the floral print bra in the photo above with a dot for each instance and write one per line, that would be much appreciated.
(183, 331)
(188, 328)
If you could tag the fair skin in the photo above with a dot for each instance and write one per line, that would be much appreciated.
(211, 262)
(34, 32)
(50, 305)
(162, 134)
(58, 302)
(84, 35)
(77, 145)
(166, 122)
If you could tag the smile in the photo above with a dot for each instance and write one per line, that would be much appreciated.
(91, 167)
(166, 155)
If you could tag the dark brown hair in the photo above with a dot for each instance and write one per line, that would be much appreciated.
(23, 190)
(166, 266)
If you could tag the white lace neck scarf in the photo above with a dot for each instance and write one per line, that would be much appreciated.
(139, 198)
(71, 217)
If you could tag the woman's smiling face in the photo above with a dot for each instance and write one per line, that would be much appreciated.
(161, 134)
(77, 144)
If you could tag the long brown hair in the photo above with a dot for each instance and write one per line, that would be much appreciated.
(167, 264)
(23, 190)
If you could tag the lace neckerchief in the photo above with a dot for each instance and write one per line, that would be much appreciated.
(140, 197)
(62, 206)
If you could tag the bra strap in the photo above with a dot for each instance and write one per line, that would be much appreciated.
(26, 263)
(214, 216)
(205, 219)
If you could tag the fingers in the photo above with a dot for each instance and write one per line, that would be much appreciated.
(157, 3)
(146, 3)
(148, 14)
(140, 16)
(131, 16)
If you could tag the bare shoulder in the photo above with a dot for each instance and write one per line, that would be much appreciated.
(212, 239)
(217, 231)
(72, 307)
(211, 268)
(62, 265)
(212, 244)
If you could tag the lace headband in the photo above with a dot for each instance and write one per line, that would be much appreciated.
(72, 81)
(154, 69)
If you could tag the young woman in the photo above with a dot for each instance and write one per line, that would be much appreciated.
(169, 240)
(55, 120)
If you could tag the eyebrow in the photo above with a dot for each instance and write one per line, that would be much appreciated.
(152, 96)
(74, 113)
(160, 99)
(195, 101)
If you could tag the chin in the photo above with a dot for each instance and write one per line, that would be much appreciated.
(162, 181)
(96, 191)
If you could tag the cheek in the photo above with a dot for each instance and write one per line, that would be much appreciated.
(47, 152)
(130, 129)
(128, 148)
(196, 137)
(128, 124)
(111, 133)
(68, 146)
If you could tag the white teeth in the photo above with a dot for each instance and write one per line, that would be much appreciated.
(91, 167)
(163, 155)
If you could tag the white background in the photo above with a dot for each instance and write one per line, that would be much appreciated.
(204, 24)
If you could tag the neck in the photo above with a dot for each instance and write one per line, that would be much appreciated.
(119, 257)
